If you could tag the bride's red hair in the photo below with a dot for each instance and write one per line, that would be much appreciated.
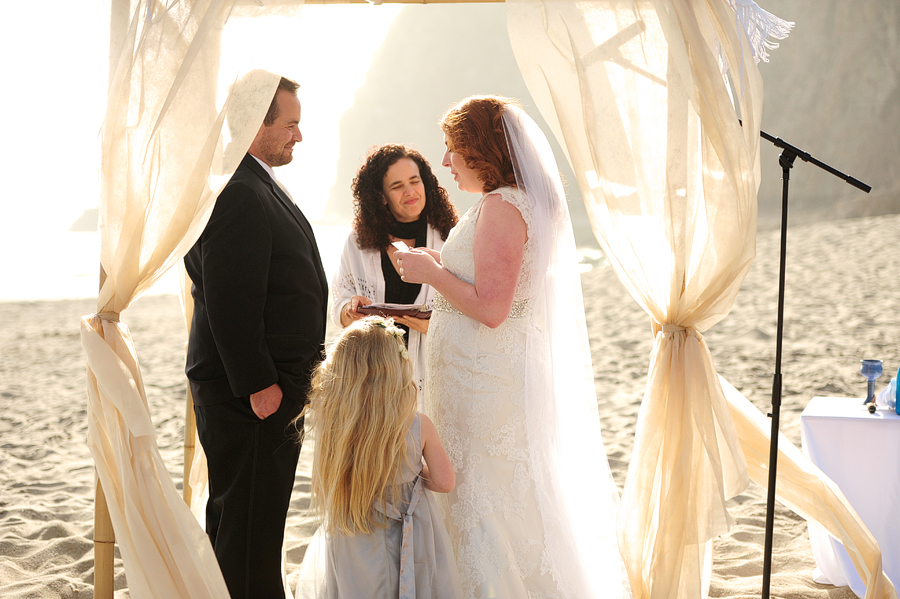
(474, 130)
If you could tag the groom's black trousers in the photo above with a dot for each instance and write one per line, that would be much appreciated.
(251, 473)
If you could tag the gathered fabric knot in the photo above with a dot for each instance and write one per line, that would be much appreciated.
(669, 329)
(110, 316)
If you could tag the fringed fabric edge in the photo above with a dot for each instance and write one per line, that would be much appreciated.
(761, 26)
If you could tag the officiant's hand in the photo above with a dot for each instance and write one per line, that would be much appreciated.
(415, 324)
(349, 313)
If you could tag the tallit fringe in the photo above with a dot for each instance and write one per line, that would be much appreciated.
(761, 26)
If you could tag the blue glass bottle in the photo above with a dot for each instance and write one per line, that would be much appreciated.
(897, 392)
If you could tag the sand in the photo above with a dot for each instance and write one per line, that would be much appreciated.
(841, 306)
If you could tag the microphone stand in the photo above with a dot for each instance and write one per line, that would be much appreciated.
(786, 160)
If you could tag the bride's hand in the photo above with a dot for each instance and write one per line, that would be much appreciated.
(436, 254)
(416, 266)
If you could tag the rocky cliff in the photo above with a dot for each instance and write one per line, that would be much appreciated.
(831, 89)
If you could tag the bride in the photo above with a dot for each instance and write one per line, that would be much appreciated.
(510, 383)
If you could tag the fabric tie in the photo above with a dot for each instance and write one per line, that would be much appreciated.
(407, 550)
(110, 316)
(670, 329)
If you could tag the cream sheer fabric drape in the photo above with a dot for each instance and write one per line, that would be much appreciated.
(634, 91)
(166, 153)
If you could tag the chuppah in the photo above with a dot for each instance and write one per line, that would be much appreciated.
(674, 210)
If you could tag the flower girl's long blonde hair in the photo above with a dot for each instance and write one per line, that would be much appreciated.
(362, 402)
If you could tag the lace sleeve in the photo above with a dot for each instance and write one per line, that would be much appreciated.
(513, 196)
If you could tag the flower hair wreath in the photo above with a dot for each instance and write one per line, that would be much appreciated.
(396, 333)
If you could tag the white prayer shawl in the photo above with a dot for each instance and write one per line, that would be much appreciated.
(360, 274)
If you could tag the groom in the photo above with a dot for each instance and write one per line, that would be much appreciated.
(258, 329)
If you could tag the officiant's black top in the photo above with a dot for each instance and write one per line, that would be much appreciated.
(396, 290)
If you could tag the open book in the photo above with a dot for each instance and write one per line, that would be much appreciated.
(388, 310)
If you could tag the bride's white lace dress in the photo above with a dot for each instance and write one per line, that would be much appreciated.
(476, 395)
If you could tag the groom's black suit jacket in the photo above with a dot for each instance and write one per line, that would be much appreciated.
(260, 297)
(260, 294)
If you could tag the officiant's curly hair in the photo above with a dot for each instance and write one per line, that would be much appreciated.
(372, 218)
(474, 131)
(362, 402)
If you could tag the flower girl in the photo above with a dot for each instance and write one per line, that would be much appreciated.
(376, 461)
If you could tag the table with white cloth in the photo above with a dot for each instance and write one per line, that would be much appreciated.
(860, 452)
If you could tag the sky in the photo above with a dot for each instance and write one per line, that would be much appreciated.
(55, 58)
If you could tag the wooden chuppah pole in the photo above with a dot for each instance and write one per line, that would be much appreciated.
(190, 420)
(104, 535)
(104, 547)
(190, 428)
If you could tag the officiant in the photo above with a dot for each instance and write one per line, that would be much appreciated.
(396, 197)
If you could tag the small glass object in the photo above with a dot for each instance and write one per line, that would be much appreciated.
(871, 369)
(888, 396)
